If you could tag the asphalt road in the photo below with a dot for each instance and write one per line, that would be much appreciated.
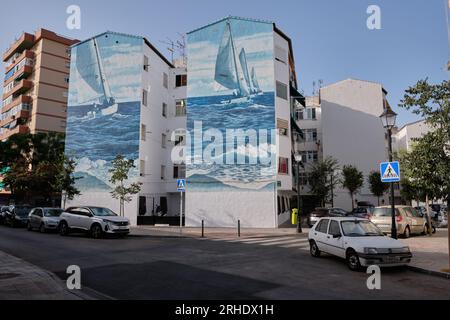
(158, 267)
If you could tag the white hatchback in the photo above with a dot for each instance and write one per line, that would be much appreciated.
(359, 241)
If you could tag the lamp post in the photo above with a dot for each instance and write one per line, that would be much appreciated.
(388, 118)
(298, 161)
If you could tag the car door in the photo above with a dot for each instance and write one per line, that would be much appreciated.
(72, 217)
(32, 217)
(85, 216)
(36, 218)
(419, 220)
(320, 234)
(334, 239)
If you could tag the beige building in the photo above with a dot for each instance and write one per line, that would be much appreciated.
(36, 83)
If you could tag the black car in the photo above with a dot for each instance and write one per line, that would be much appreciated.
(17, 215)
(319, 213)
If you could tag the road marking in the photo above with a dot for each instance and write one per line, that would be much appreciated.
(268, 240)
(283, 242)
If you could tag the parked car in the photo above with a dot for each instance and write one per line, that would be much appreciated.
(365, 204)
(3, 210)
(434, 217)
(359, 241)
(96, 221)
(17, 215)
(362, 212)
(44, 219)
(325, 212)
(409, 220)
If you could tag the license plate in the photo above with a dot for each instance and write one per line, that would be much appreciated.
(123, 228)
(392, 259)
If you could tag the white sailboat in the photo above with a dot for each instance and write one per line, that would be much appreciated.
(227, 73)
(88, 56)
(255, 83)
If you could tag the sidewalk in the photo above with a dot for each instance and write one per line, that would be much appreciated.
(430, 254)
(20, 280)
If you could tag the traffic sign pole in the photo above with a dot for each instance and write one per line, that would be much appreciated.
(181, 213)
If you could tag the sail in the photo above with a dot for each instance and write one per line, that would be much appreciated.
(226, 73)
(88, 69)
(255, 81)
(105, 85)
(244, 66)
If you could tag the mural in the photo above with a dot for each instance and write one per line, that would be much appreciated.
(231, 86)
(103, 116)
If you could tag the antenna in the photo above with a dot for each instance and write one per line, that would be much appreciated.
(178, 46)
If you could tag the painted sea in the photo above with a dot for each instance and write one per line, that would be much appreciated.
(94, 141)
(219, 112)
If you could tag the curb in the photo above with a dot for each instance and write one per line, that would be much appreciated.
(430, 272)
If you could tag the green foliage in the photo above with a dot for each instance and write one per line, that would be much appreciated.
(352, 180)
(320, 178)
(427, 167)
(119, 174)
(377, 187)
(38, 166)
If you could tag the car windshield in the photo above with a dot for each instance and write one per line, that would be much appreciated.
(360, 228)
(53, 212)
(22, 211)
(102, 212)
(383, 212)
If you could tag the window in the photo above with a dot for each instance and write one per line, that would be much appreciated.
(282, 91)
(68, 51)
(309, 156)
(283, 165)
(280, 55)
(307, 114)
(66, 79)
(163, 140)
(181, 80)
(282, 126)
(323, 226)
(144, 97)
(164, 110)
(309, 135)
(163, 172)
(180, 108)
(179, 171)
(143, 132)
(68, 65)
(303, 179)
(334, 228)
(142, 168)
(146, 63)
(179, 140)
(165, 80)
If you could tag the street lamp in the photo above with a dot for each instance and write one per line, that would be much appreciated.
(298, 161)
(388, 118)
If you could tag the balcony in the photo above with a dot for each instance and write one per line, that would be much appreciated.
(20, 129)
(19, 88)
(23, 73)
(26, 41)
(20, 100)
(22, 114)
(27, 54)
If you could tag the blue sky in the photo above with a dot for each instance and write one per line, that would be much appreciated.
(330, 38)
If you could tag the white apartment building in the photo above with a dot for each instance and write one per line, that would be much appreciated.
(343, 123)
(403, 139)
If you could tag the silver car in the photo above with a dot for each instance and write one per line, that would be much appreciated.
(408, 220)
(44, 219)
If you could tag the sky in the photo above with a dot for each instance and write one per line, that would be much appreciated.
(330, 38)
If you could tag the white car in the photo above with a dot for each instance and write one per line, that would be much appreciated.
(94, 220)
(359, 241)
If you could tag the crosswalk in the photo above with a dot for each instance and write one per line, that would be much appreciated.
(276, 241)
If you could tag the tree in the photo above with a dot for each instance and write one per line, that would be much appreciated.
(319, 178)
(119, 175)
(377, 187)
(432, 102)
(352, 180)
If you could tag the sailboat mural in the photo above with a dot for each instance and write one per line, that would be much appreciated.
(229, 69)
(91, 70)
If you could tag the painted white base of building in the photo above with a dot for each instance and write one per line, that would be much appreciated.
(224, 209)
(103, 199)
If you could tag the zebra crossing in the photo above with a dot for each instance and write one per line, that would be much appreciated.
(276, 241)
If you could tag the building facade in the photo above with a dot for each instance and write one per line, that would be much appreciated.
(35, 87)
(343, 122)
(403, 139)
(126, 99)
(241, 90)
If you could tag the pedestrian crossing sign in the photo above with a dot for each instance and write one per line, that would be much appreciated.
(181, 185)
(390, 171)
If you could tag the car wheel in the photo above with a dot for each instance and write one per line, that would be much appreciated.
(434, 229)
(63, 229)
(42, 228)
(407, 233)
(353, 261)
(96, 231)
(314, 249)
(29, 227)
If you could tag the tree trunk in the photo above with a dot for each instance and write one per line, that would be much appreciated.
(430, 229)
(378, 198)
(353, 202)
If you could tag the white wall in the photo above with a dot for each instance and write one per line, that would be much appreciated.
(352, 131)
